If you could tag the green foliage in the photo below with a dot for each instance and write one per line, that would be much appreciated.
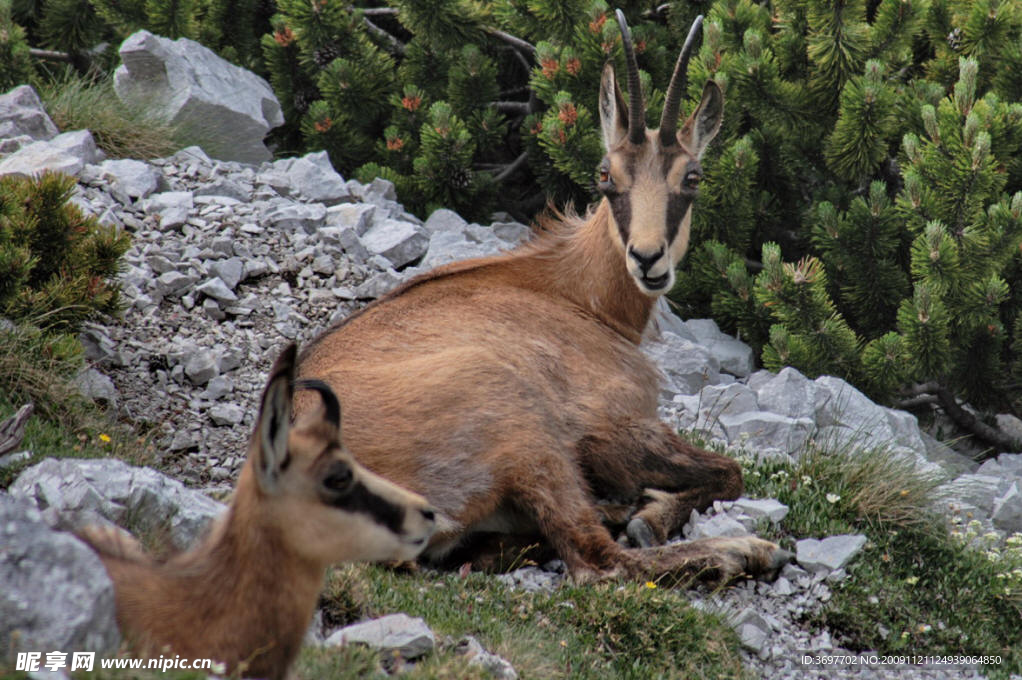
(941, 592)
(57, 264)
(16, 66)
(887, 169)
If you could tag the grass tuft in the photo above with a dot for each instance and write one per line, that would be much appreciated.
(76, 102)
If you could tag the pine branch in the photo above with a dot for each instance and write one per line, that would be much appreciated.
(378, 11)
(511, 167)
(965, 420)
(521, 45)
(50, 55)
(394, 45)
(520, 108)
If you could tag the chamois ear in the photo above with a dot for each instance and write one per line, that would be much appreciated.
(613, 109)
(704, 123)
(274, 421)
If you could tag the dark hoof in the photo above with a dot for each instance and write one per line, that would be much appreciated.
(640, 534)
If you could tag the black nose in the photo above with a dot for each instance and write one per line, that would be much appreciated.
(645, 261)
(428, 514)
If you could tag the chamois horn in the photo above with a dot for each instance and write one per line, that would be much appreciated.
(331, 404)
(636, 111)
(676, 90)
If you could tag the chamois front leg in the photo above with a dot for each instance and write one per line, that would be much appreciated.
(645, 460)
(717, 560)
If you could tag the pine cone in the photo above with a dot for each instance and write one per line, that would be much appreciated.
(326, 54)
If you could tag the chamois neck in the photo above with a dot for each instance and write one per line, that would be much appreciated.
(247, 589)
(587, 267)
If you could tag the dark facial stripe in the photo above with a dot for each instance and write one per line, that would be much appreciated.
(380, 510)
(621, 207)
(677, 205)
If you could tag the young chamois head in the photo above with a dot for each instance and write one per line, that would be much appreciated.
(331, 508)
(650, 177)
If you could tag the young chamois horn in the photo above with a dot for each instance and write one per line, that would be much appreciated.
(244, 596)
(510, 390)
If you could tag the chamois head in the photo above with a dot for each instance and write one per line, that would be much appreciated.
(327, 506)
(650, 177)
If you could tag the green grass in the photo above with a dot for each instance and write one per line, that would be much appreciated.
(39, 368)
(917, 587)
(622, 630)
(77, 102)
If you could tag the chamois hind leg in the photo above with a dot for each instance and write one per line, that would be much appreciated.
(646, 459)
(719, 560)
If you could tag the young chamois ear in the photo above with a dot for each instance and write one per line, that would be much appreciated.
(704, 123)
(274, 422)
(613, 112)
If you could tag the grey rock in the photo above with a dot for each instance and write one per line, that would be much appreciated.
(172, 207)
(1011, 426)
(734, 356)
(187, 84)
(765, 430)
(201, 367)
(12, 144)
(184, 440)
(445, 220)
(714, 527)
(12, 459)
(314, 178)
(229, 271)
(95, 386)
(134, 178)
(56, 593)
(212, 309)
(218, 388)
(833, 552)
(227, 414)
(174, 283)
(382, 188)
(687, 366)
(782, 587)
(68, 489)
(531, 579)
(452, 246)
(225, 187)
(496, 666)
(307, 217)
(23, 114)
(357, 216)
(1006, 464)
(217, 289)
(716, 400)
(67, 153)
(401, 243)
(752, 629)
(770, 508)
(789, 393)
(1007, 510)
(975, 489)
(399, 634)
(512, 232)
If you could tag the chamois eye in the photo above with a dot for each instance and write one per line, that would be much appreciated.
(692, 179)
(339, 479)
(605, 183)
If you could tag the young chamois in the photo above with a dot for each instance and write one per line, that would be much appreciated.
(510, 390)
(245, 595)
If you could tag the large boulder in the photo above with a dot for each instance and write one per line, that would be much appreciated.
(23, 115)
(75, 492)
(228, 108)
(56, 594)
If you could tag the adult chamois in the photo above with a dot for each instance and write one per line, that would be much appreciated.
(244, 596)
(510, 390)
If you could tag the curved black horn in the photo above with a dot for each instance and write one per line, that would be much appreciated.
(676, 90)
(636, 111)
(330, 402)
